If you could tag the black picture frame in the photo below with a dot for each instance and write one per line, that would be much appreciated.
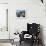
(20, 13)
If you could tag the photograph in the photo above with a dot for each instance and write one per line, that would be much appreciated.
(20, 13)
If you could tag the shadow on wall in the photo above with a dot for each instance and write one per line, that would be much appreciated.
(41, 34)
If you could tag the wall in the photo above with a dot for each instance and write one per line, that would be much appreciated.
(35, 12)
(3, 1)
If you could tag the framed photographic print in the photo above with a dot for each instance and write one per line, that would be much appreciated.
(20, 13)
